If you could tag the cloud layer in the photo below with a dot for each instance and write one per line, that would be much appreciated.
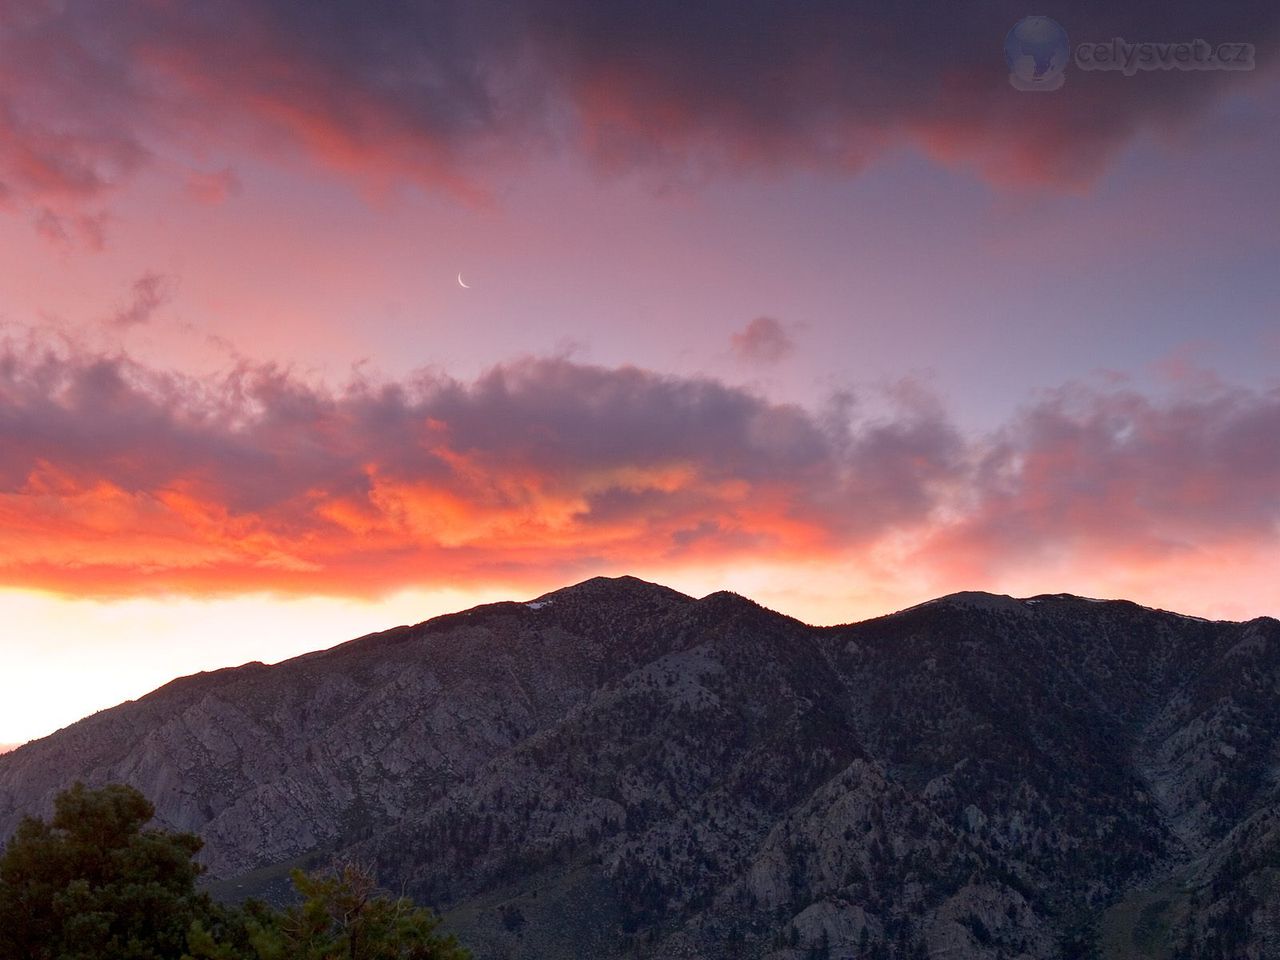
(123, 480)
(1183, 493)
(434, 91)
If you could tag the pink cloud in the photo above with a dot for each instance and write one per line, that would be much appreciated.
(149, 293)
(121, 479)
(763, 340)
(1117, 479)
(213, 187)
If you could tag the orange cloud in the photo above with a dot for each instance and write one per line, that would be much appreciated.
(123, 480)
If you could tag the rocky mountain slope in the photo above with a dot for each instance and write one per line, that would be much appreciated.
(618, 770)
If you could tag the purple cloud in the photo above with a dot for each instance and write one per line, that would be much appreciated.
(763, 340)
(430, 92)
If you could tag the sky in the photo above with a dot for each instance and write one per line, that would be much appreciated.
(806, 301)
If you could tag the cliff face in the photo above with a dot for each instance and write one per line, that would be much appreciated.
(617, 769)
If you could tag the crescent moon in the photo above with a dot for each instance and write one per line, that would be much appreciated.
(461, 284)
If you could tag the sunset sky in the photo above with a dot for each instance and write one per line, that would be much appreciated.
(802, 300)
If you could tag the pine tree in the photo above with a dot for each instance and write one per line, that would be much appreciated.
(92, 884)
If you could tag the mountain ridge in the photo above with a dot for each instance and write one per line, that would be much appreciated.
(983, 775)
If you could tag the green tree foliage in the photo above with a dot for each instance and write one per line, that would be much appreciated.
(93, 884)
(342, 916)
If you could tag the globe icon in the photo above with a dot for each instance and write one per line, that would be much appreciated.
(1037, 51)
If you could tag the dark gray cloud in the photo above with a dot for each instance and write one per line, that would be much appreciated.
(430, 91)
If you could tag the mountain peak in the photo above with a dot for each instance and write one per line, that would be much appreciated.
(605, 588)
(974, 600)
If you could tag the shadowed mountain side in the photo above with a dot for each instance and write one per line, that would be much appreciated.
(617, 767)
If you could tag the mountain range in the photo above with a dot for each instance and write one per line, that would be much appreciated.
(618, 770)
